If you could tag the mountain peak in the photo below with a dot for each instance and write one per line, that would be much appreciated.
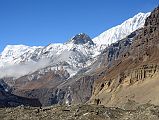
(81, 38)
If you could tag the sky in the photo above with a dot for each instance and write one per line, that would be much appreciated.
(41, 22)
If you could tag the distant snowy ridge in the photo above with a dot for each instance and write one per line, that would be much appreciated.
(79, 52)
(121, 31)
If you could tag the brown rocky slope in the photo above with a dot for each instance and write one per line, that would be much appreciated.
(132, 74)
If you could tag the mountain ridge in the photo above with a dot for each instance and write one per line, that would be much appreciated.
(82, 51)
(122, 30)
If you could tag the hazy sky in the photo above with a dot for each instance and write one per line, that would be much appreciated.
(40, 22)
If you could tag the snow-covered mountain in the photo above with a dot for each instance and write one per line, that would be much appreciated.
(80, 51)
(77, 53)
(121, 31)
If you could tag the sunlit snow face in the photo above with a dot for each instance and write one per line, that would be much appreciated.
(121, 31)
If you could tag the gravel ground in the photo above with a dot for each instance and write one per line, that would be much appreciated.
(80, 112)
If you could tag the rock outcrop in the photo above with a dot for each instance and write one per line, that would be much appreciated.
(82, 39)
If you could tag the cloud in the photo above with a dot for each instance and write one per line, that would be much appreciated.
(23, 69)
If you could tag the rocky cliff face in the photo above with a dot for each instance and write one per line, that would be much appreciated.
(131, 73)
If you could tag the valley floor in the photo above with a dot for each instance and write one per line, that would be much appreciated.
(80, 112)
